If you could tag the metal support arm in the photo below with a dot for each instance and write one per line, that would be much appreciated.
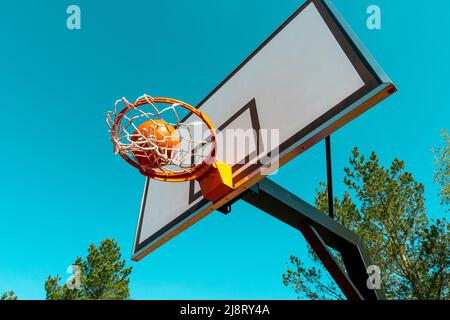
(320, 231)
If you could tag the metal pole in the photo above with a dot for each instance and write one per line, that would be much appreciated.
(329, 177)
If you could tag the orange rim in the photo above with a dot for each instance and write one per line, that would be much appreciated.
(189, 174)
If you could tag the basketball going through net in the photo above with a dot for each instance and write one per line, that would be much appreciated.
(169, 140)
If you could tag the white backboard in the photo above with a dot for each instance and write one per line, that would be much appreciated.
(309, 78)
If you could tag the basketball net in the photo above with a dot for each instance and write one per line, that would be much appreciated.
(169, 140)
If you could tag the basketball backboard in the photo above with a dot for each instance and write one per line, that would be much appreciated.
(308, 79)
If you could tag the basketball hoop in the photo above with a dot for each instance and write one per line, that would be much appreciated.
(169, 140)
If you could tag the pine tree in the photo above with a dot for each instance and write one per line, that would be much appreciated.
(101, 276)
(386, 208)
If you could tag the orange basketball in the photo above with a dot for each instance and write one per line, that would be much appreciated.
(162, 135)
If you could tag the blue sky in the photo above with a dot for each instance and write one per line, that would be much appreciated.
(63, 189)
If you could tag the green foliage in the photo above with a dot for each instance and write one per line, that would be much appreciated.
(385, 207)
(102, 276)
(10, 295)
(308, 282)
(442, 173)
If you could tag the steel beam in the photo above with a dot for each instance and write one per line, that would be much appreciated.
(320, 231)
(329, 177)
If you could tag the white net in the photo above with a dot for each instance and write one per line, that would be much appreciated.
(161, 137)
